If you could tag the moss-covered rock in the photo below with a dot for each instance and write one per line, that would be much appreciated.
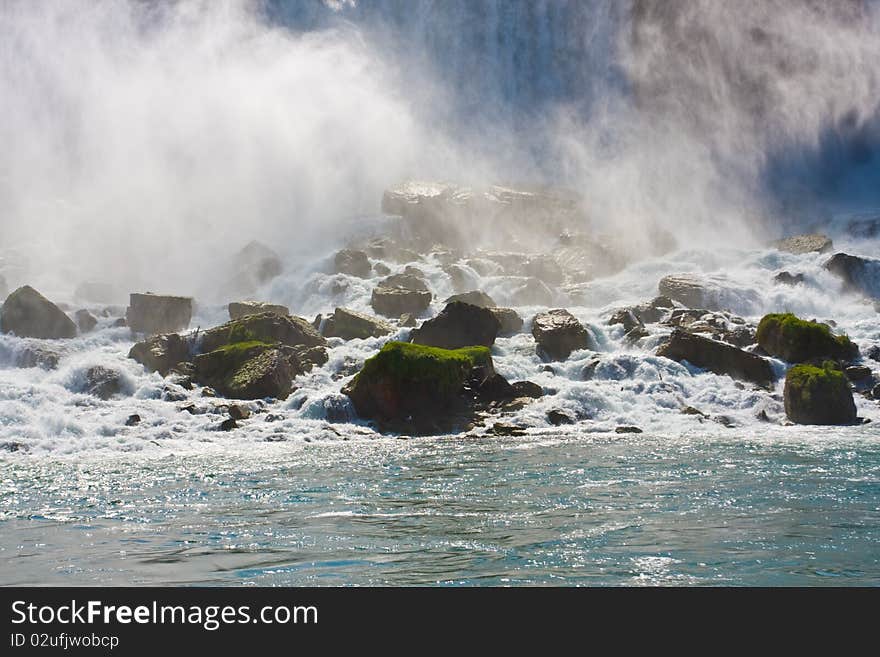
(818, 395)
(160, 353)
(795, 340)
(263, 327)
(414, 382)
(247, 370)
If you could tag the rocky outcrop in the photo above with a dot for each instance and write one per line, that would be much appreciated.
(353, 263)
(248, 370)
(161, 353)
(475, 298)
(153, 314)
(415, 383)
(717, 357)
(27, 313)
(85, 321)
(818, 395)
(858, 274)
(801, 244)
(795, 340)
(400, 294)
(558, 333)
(458, 325)
(290, 331)
(239, 309)
(351, 325)
(508, 319)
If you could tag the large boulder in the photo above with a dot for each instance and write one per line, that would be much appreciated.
(459, 325)
(818, 395)
(800, 244)
(353, 263)
(475, 298)
(239, 309)
(27, 313)
(509, 320)
(351, 325)
(558, 333)
(414, 382)
(248, 370)
(717, 357)
(690, 291)
(85, 320)
(161, 353)
(103, 382)
(795, 340)
(400, 294)
(153, 313)
(858, 274)
(265, 327)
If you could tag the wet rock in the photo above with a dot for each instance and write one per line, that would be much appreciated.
(858, 373)
(875, 392)
(626, 318)
(381, 269)
(787, 278)
(589, 370)
(544, 268)
(228, 425)
(527, 389)
(152, 314)
(290, 331)
(795, 340)
(28, 314)
(815, 395)
(36, 355)
(474, 298)
(873, 353)
(351, 325)
(717, 357)
(353, 263)
(391, 300)
(85, 321)
(458, 325)
(557, 417)
(406, 282)
(103, 383)
(173, 393)
(858, 274)
(119, 323)
(690, 410)
(407, 320)
(495, 388)
(238, 309)
(462, 279)
(509, 320)
(627, 429)
(239, 411)
(160, 353)
(692, 291)
(248, 370)
(133, 420)
(510, 430)
(653, 311)
(801, 244)
(558, 333)
(533, 292)
(208, 391)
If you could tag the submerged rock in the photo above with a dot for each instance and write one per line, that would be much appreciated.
(152, 314)
(161, 353)
(474, 298)
(717, 357)
(350, 325)
(103, 382)
(509, 320)
(38, 355)
(801, 244)
(818, 395)
(289, 330)
(787, 278)
(239, 309)
(133, 420)
(414, 383)
(28, 314)
(353, 263)
(795, 340)
(458, 325)
(558, 333)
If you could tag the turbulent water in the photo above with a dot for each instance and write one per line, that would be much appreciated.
(147, 146)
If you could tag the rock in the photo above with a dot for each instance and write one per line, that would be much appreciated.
(228, 424)
(385, 248)
(557, 417)
(656, 310)
(818, 395)
(875, 391)
(85, 321)
(544, 268)
(722, 326)
(119, 323)
(316, 323)
(801, 244)
(160, 353)
(858, 274)
(725, 421)
(527, 389)
(406, 381)
(511, 430)
(394, 301)
(407, 320)
(238, 309)
(255, 265)
(558, 333)
(353, 263)
(691, 291)
(28, 314)
(589, 370)
(508, 319)
(381, 269)
(37, 355)
(495, 388)
(248, 370)
(627, 318)
(152, 314)
(4, 288)
(415, 272)
(873, 353)
(102, 382)
(351, 325)
(290, 331)
(533, 292)
(627, 429)
(405, 281)
(474, 298)
(133, 420)
(787, 278)
(461, 278)
(858, 373)
(795, 340)
(690, 410)
(717, 357)
(239, 412)
(458, 325)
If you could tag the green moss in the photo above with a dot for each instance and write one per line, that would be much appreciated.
(414, 364)
(242, 347)
(795, 340)
(809, 382)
